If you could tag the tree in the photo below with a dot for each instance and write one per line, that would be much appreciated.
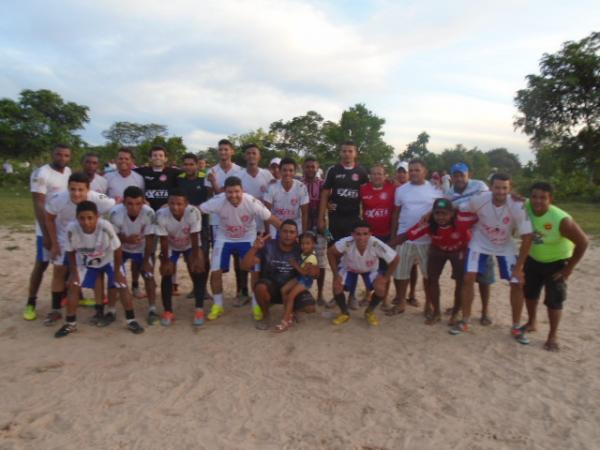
(263, 139)
(418, 149)
(504, 161)
(38, 121)
(479, 166)
(301, 136)
(561, 105)
(174, 145)
(133, 134)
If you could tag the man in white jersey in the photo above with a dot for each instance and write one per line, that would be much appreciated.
(499, 217)
(288, 198)
(134, 223)
(178, 227)
(124, 176)
(358, 255)
(94, 250)
(412, 201)
(45, 181)
(90, 164)
(237, 213)
(60, 210)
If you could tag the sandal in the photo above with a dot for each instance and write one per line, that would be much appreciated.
(284, 325)
(433, 320)
(394, 310)
(485, 321)
(412, 301)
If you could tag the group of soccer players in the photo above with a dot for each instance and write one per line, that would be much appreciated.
(363, 224)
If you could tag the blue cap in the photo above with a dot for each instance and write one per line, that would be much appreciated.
(459, 167)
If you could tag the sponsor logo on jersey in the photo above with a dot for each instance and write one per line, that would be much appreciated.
(163, 177)
(506, 220)
(354, 177)
(548, 226)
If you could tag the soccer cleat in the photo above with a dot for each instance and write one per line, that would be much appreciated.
(460, 327)
(153, 318)
(65, 330)
(52, 317)
(106, 319)
(371, 318)
(96, 318)
(341, 319)
(167, 318)
(520, 335)
(216, 311)
(135, 327)
(257, 313)
(87, 302)
(199, 318)
(29, 313)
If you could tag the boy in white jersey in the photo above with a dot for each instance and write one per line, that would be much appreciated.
(179, 227)
(288, 198)
(134, 223)
(237, 213)
(499, 216)
(359, 255)
(60, 210)
(94, 250)
(45, 181)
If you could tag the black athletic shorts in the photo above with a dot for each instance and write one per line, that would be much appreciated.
(539, 275)
(303, 299)
(341, 226)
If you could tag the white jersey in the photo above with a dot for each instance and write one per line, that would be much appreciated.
(45, 180)
(473, 187)
(415, 200)
(94, 249)
(220, 175)
(178, 231)
(61, 206)
(237, 223)
(143, 225)
(354, 261)
(117, 183)
(493, 232)
(257, 187)
(286, 204)
(99, 184)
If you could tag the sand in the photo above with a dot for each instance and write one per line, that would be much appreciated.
(229, 386)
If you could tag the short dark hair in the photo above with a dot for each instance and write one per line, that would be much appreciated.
(311, 158)
(289, 222)
(133, 192)
(542, 186)
(177, 192)
(189, 156)
(126, 150)
(360, 224)
(249, 146)
(500, 177)
(225, 142)
(350, 143)
(308, 235)
(79, 177)
(232, 181)
(61, 147)
(90, 155)
(86, 205)
(418, 161)
(156, 148)
(287, 160)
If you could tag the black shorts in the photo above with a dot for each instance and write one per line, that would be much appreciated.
(341, 226)
(303, 299)
(437, 260)
(539, 275)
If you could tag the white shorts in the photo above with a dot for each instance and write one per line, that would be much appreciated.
(478, 262)
(321, 251)
(411, 254)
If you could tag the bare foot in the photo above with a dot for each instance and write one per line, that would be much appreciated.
(551, 346)
(453, 320)
(433, 320)
(485, 321)
(531, 327)
(412, 301)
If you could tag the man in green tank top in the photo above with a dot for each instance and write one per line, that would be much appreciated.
(558, 245)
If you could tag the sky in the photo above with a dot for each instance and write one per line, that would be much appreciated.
(208, 69)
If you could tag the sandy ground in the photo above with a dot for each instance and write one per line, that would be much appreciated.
(228, 386)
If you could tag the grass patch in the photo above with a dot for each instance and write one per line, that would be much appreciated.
(17, 207)
(587, 215)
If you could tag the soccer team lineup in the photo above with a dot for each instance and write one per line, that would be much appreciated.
(122, 233)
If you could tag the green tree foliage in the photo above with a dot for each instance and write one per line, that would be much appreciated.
(33, 125)
(263, 139)
(134, 134)
(560, 108)
(504, 161)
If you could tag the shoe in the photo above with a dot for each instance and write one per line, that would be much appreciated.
(29, 313)
(106, 319)
(95, 318)
(241, 300)
(353, 303)
(216, 311)
(199, 318)
(167, 318)
(519, 333)
(138, 293)
(153, 318)
(135, 327)
(460, 327)
(65, 330)
(341, 319)
(52, 317)
(257, 312)
(88, 302)
(371, 318)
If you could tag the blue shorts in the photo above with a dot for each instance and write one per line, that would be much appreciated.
(89, 275)
(306, 281)
(350, 279)
(42, 254)
(137, 258)
(223, 250)
(175, 254)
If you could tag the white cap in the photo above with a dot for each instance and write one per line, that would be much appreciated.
(275, 161)
(402, 165)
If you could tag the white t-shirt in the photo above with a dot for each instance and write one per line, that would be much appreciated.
(416, 200)
(99, 184)
(493, 232)
(221, 176)
(143, 225)
(61, 206)
(257, 187)
(178, 231)
(474, 187)
(237, 223)
(45, 180)
(286, 204)
(117, 183)
(354, 261)
(94, 249)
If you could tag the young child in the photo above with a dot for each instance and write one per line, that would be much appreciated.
(303, 282)
(450, 235)
(179, 228)
(93, 247)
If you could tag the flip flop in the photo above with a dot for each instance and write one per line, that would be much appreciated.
(412, 301)
(433, 320)
(552, 346)
(284, 325)
(485, 321)
(394, 311)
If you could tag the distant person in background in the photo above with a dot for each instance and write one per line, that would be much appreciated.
(446, 180)
(202, 163)
(274, 168)
(401, 173)
(8, 167)
(90, 164)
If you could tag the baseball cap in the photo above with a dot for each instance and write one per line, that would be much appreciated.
(442, 203)
(402, 165)
(459, 167)
(275, 161)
